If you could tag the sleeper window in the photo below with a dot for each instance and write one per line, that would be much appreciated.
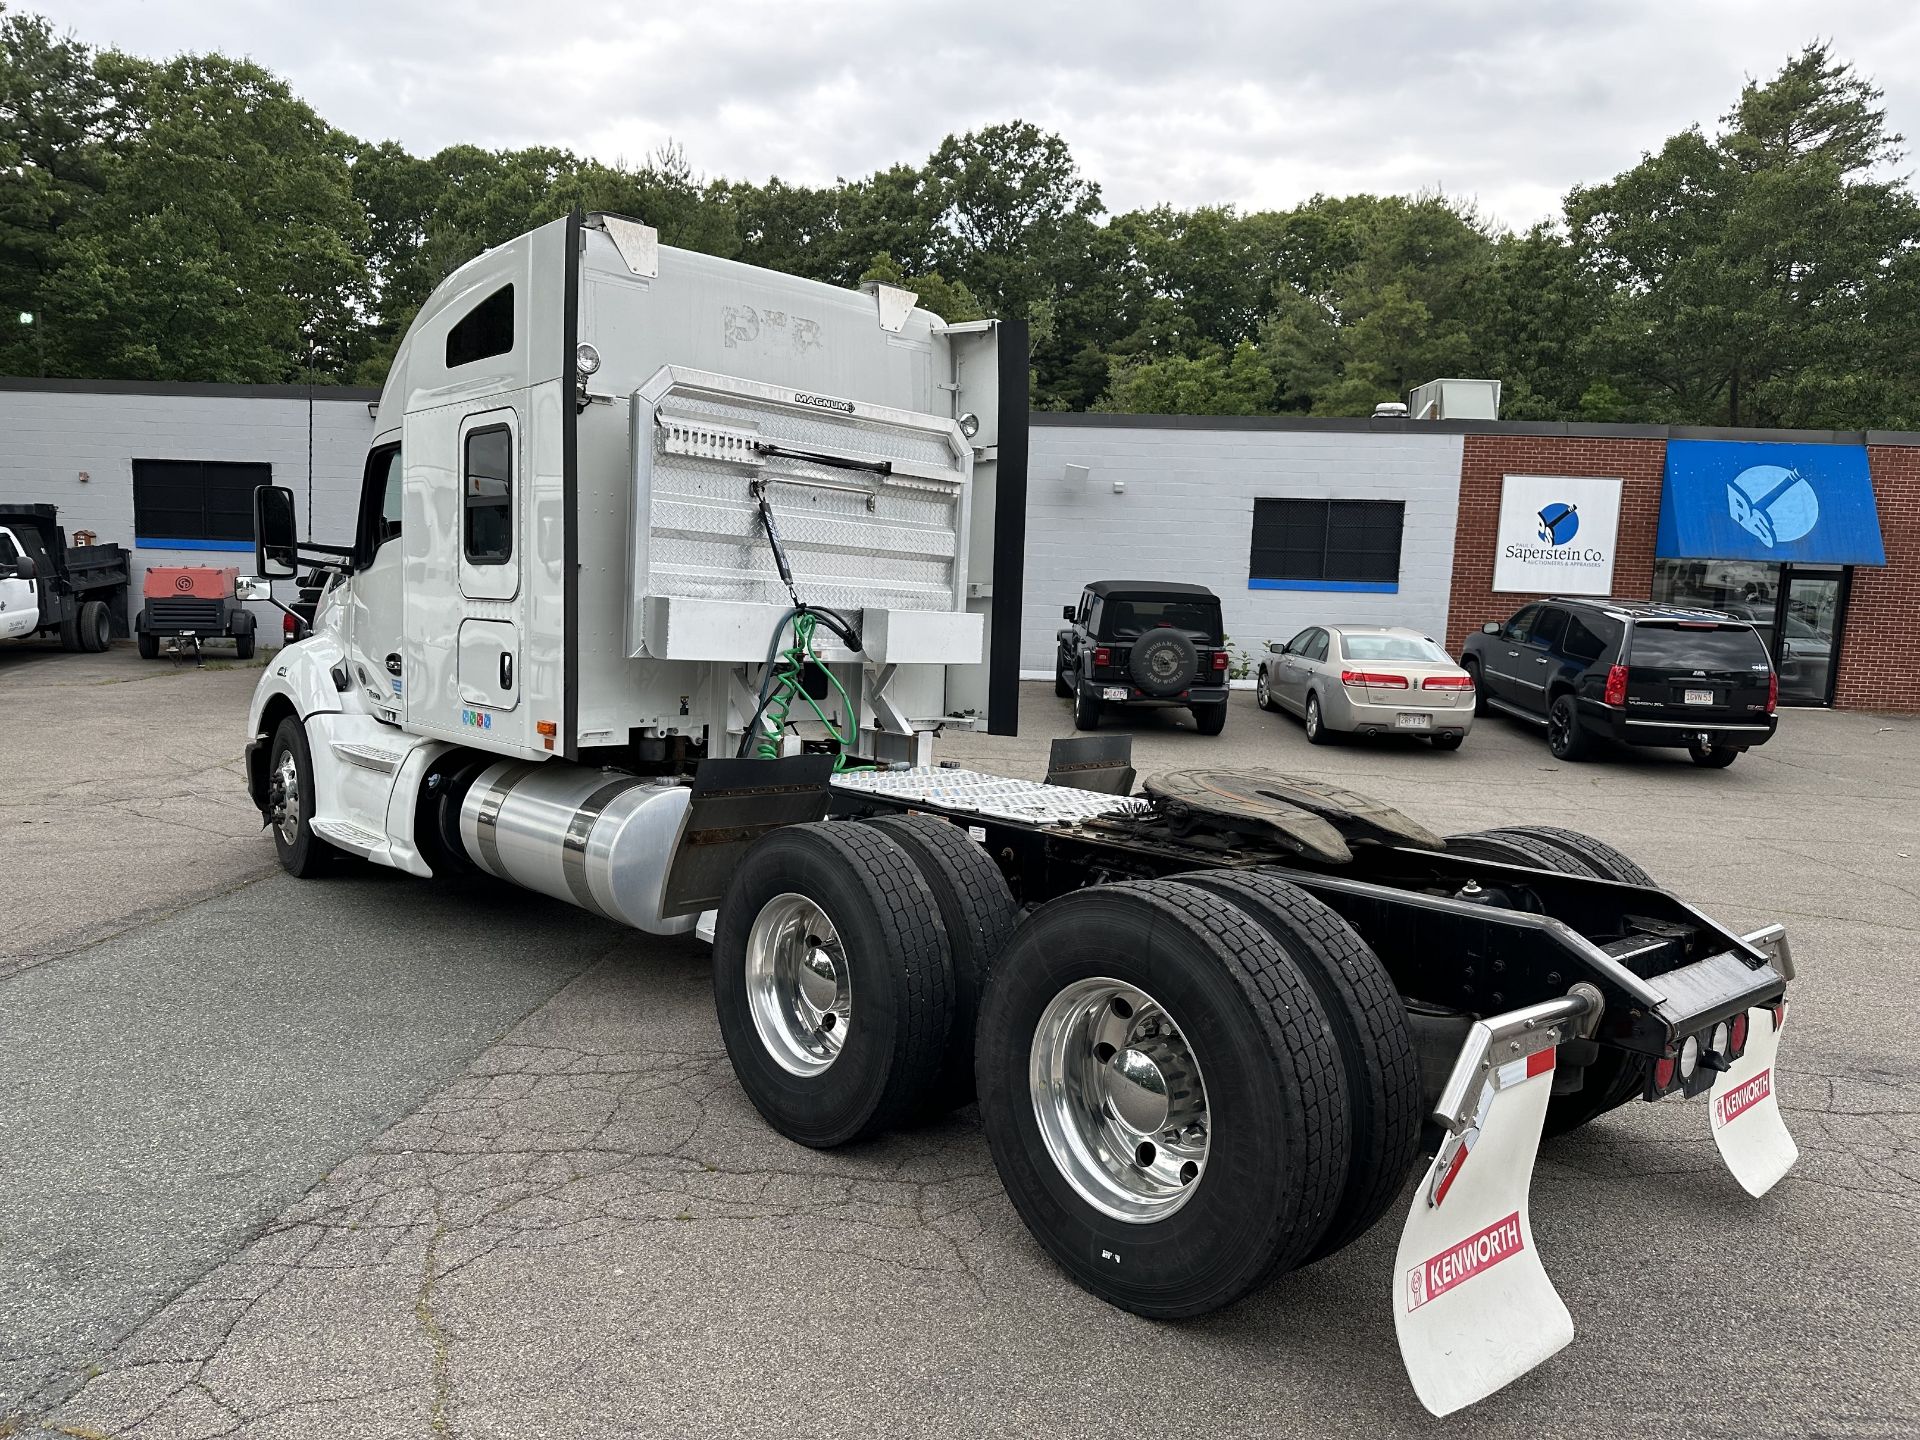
(488, 496)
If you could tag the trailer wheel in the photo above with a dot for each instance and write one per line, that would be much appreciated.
(1371, 1031)
(290, 803)
(148, 644)
(1162, 1096)
(243, 644)
(977, 912)
(1616, 1076)
(832, 981)
(96, 632)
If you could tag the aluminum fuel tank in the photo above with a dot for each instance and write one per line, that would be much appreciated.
(599, 839)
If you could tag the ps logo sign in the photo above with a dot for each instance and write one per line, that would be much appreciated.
(1774, 504)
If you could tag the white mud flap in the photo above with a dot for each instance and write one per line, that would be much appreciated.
(1472, 1303)
(1744, 1109)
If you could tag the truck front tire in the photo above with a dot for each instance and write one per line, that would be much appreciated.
(1162, 1096)
(833, 982)
(290, 798)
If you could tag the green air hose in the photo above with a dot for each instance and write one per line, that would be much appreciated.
(787, 685)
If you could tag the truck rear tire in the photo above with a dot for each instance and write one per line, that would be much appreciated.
(96, 627)
(303, 854)
(70, 628)
(978, 913)
(833, 982)
(1370, 1029)
(1616, 1076)
(1169, 1177)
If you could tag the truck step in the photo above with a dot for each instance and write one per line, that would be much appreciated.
(349, 836)
(368, 757)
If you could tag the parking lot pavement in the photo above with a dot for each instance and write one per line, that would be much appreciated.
(120, 791)
(589, 1232)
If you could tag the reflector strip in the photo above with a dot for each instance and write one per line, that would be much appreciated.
(1540, 1063)
(1446, 1180)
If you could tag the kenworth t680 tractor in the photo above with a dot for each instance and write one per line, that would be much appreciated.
(669, 571)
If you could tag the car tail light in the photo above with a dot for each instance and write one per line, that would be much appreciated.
(1219, 659)
(1662, 1074)
(1447, 682)
(1365, 677)
(1617, 685)
(1739, 1041)
(1773, 691)
(1102, 655)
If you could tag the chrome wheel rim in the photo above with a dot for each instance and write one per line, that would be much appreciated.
(1313, 716)
(798, 990)
(1120, 1100)
(1261, 686)
(286, 791)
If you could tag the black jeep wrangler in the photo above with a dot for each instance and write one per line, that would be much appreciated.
(1144, 643)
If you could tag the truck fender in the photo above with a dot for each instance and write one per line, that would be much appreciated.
(301, 676)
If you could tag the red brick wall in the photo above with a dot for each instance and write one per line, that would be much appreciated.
(1640, 463)
(1879, 663)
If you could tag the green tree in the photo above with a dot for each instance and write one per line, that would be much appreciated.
(54, 127)
(226, 243)
(1764, 275)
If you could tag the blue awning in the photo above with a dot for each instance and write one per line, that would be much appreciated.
(1751, 500)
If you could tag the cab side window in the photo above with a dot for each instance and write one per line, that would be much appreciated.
(1548, 629)
(487, 495)
(380, 502)
(9, 552)
(1521, 625)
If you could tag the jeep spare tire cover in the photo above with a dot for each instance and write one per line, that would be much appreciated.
(1163, 662)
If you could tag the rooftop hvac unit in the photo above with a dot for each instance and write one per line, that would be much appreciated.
(1455, 400)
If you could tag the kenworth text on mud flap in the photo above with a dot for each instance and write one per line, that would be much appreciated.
(669, 570)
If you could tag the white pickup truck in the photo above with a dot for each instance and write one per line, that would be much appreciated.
(669, 571)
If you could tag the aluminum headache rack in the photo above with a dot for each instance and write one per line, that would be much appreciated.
(991, 797)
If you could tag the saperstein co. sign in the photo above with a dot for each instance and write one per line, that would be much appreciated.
(1556, 534)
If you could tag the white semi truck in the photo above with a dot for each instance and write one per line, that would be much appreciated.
(668, 572)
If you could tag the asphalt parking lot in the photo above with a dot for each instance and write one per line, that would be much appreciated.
(374, 1156)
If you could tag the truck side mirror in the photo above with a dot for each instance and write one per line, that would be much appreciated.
(252, 587)
(26, 568)
(1066, 612)
(1492, 627)
(276, 533)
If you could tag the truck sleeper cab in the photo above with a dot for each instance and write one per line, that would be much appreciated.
(667, 571)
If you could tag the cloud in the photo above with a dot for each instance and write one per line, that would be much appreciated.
(1257, 104)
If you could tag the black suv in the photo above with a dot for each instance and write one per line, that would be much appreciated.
(1630, 671)
(1147, 643)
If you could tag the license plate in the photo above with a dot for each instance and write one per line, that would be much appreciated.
(1114, 692)
(1413, 722)
(1699, 697)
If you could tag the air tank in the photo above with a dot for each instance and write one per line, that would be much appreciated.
(599, 839)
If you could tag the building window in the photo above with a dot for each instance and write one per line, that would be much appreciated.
(196, 504)
(484, 331)
(1326, 545)
(489, 495)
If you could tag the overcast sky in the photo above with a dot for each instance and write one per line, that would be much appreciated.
(1185, 101)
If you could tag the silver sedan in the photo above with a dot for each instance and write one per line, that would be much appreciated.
(1368, 680)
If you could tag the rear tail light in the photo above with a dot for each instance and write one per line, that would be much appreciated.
(289, 627)
(1773, 691)
(1219, 659)
(1364, 677)
(1102, 655)
(1447, 682)
(1662, 1074)
(1739, 1025)
(1617, 685)
(1689, 1056)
